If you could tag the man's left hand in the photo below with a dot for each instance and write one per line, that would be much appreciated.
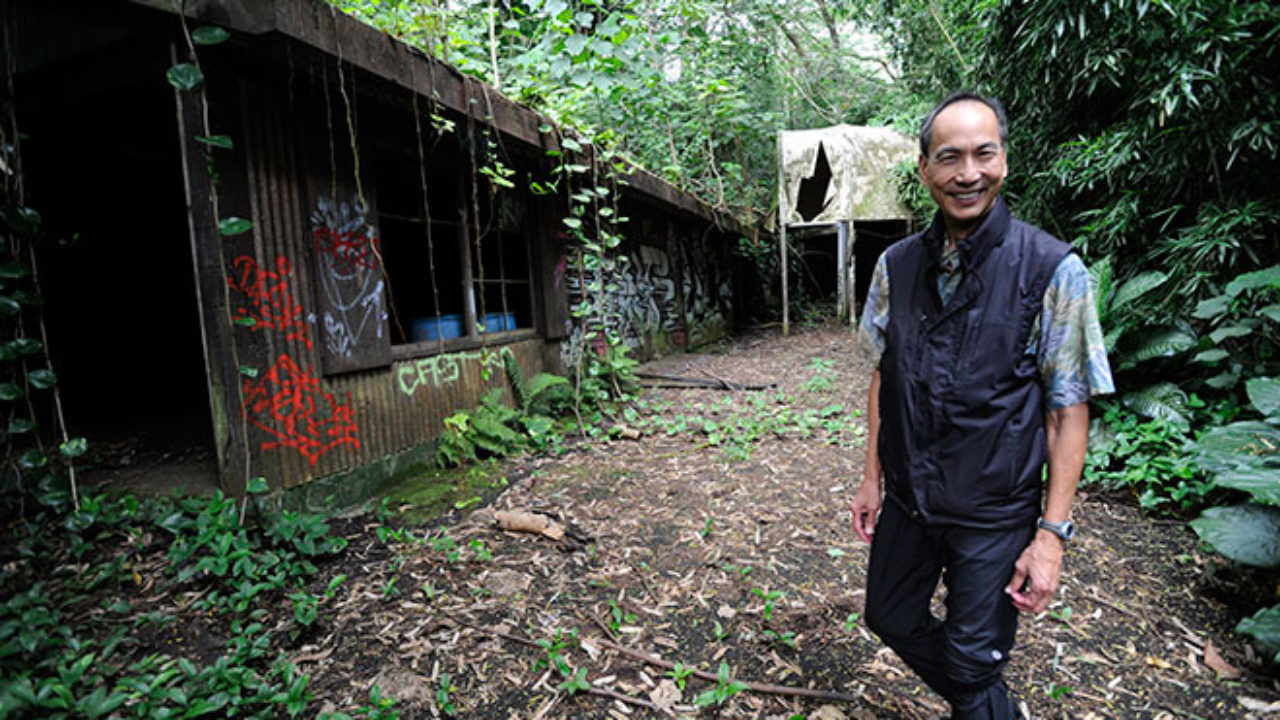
(1036, 574)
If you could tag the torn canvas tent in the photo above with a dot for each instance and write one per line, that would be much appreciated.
(842, 172)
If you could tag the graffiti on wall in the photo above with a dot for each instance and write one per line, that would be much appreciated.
(652, 297)
(440, 370)
(266, 302)
(708, 290)
(288, 403)
(349, 275)
(642, 305)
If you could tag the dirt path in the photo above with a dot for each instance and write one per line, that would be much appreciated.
(702, 544)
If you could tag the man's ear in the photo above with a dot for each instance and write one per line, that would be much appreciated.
(921, 163)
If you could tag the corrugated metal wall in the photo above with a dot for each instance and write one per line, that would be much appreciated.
(302, 424)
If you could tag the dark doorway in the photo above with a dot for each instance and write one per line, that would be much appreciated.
(102, 166)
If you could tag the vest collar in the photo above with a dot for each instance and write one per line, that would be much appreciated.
(975, 248)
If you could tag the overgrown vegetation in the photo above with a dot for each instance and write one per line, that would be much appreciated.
(83, 637)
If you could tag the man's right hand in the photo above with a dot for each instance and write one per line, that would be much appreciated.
(866, 509)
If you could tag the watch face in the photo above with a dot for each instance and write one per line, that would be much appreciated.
(1065, 530)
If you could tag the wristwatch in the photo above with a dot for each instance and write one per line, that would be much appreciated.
(1065, 530)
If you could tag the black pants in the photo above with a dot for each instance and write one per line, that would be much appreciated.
(961, 657)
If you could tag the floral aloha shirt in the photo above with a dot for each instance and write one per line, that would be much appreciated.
(1070, 351)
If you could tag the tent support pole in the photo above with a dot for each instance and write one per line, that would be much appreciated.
(786, 310)
(784, 213)
(852, 281)
(842, 268)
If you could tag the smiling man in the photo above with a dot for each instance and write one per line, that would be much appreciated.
(987, 345)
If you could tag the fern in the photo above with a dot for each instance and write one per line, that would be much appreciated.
(547, 393)
(519, 389)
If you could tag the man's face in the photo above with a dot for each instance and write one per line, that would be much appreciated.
(966, 165)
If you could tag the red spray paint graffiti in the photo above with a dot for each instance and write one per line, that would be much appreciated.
(349, 250)
(288, 403)
(267, 299)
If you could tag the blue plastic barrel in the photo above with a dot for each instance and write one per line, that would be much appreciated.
(435, 328)
(499, 322)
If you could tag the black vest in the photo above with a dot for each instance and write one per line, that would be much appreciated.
(962, 436)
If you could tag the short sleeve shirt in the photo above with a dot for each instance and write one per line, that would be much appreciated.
(1067, 338)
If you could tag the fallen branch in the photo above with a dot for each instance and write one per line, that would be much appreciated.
(688, 383)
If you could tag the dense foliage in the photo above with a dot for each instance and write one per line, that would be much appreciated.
(1147, 133)
(694, 91)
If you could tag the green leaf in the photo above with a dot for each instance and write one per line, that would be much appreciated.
(1261, 480)
(1223, 381)
(1210, 357)
(10, 391)
(9, 306)
(1247, 534)
(1234, 330)
(249, 371)
(234, 226)
(27, 346)
(1264, 393)
(706, 699)
(74, 448)
(1164, 400)
(246, 321)
(1236, 445)
(1212, 308)
(185, 76)
(1136, 287)
(1271, 312)
(14, 269)
(573, 223)
(32, 459)
(1264, 627)
(257, 486)
(18, 426)
(575, 44)
(1268, 278)
(209, 35)
(218, 141)
(42, 379)
(1154, 343)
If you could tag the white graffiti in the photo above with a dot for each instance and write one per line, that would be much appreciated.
(350, 274)
(640, 302)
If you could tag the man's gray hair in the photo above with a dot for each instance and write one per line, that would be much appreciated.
(926, 129)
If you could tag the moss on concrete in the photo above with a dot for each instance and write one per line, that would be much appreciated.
(424, 497)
